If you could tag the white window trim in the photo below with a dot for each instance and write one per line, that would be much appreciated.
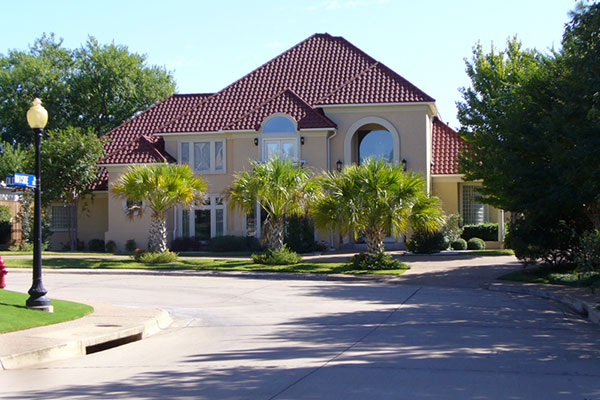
(212, 152)
(264, 138)
(257, 222)
(213, 216)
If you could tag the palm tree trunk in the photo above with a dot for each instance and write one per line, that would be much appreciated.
(273, 229)
(374, 238)
(157, 242)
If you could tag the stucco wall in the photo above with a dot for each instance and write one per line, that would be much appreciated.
(448, 192)
(411, 123)
(120, 227)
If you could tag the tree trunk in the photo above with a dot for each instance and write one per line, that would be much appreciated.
(157, 241)
(73, 225)
(273, 231)
(374, 238)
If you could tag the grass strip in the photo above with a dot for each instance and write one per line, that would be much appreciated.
(14, 316)
(200, 264)
(564, 274)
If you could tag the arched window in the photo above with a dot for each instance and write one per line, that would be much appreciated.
(279, 137)
(375, 143)
(279, 124)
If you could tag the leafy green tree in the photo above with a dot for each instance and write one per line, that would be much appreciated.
(68, 167)
(280, 187)
(95, 86)
(376, 198)
(161, 186)
(109, 85)
(531, 124)
(43, 71)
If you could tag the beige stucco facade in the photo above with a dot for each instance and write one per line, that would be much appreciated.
(410, 126)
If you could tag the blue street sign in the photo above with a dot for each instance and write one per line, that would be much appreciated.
(21, 180)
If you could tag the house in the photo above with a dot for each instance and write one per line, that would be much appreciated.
(322, 103)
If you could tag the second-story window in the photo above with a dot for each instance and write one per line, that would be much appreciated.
(279, 138)
(204, 156)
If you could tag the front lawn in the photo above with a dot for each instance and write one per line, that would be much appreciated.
(14, 316)
(565, 274)
(200, 264)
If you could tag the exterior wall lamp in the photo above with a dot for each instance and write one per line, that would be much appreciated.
(339, 165)
(302, 140)
(404, 162)
(256, 141)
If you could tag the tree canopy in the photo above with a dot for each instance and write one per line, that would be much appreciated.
(94, 87)
(531, 122)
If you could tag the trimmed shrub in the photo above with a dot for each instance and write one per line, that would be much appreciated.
(423, 242)
(130, 245)
(475, 244)
(300, 234)
(488, 231)
(149, 257)
(186, 244)
(459, 244)
(452, 228)
(588, 257)
(111, 246)
(96, 245)
(284, 256)
(378, 261)
(233, 243)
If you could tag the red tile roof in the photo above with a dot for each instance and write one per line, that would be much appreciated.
(446, 145)
(321, 68)
(306, 116)
(377, 84)
(131, 142)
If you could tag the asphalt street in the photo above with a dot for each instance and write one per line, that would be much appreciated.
(245, 338)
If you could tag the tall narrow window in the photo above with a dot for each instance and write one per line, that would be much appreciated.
(185, 153)
(219, 159)
(185, 223)
(473, 211)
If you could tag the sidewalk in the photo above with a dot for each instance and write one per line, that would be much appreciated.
(110, 325)
(106, 327)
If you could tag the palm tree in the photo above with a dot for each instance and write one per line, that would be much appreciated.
(280, 187)
(377, 198)
(161, 186)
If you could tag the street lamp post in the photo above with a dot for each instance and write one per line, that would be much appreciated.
(37, 117)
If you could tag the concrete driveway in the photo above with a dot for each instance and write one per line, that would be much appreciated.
(245, 338)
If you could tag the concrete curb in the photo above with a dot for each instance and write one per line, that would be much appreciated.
(77, 348)
(222, 274)
(580, 306)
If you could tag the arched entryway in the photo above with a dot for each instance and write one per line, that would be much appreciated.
(371, 137)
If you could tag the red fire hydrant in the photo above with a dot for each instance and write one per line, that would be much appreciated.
(3, 273)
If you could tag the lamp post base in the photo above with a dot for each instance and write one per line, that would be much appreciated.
(47, 308)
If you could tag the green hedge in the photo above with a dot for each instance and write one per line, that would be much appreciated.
(487, 232)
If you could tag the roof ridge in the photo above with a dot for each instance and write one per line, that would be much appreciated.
(348, 82)
(123, 123)
(394, 73)
(255, 109)
(244, 77)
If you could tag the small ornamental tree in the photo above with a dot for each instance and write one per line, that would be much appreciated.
(280, 187)
(377, 198)
(160, 186)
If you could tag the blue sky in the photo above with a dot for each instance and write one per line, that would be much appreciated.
(209, 44)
